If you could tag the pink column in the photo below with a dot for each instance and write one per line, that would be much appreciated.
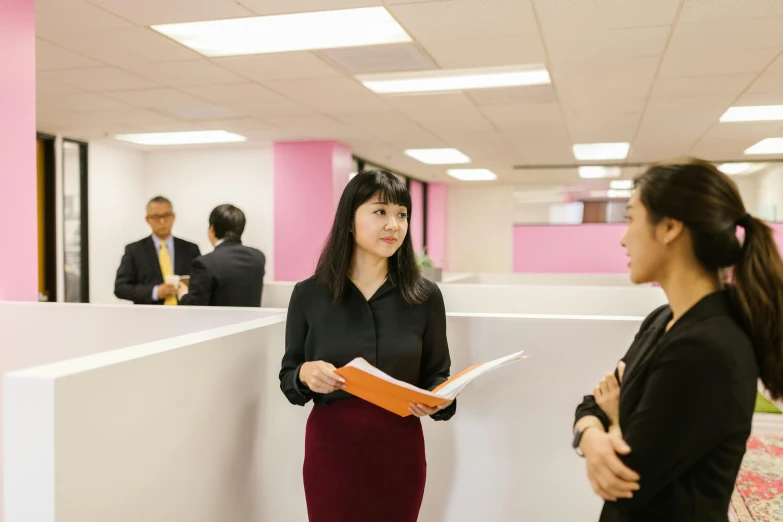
(417, 215)
(18, 188)
(437, 223)
(309, 179)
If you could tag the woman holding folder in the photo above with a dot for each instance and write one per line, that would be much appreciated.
(369, 300)
(664, 436)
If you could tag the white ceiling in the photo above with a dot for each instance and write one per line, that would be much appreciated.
(655, 73)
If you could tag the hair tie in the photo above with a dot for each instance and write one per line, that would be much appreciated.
(744, 221)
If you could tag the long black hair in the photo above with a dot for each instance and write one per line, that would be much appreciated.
(709, 204)
(336, 257)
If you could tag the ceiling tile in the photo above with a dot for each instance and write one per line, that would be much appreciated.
(476, 19)
(156, 98)
(718, 149)
(535, 94)
(201, 111)
(716, 104)
(488, 52)
(605, 14)
(270, 7)
(655, 149)
(757, 33)
(332, 95)
(239, 125)
(57, 17)
(570, 46)
(770, 82)
(665, 125)
(512, 117)
(99, 79)
(46, 88)
(152, 12)
(50, 57)
(701, 86)
(236, 95)
(185, 73)
(441, 113)
(713, 10)
(393, 128)
(760, 98)
(711, 62)
(85, 101)
(315, 126)
(126, 45)
(616, 77)
(379, 58)
(264, 68)
(777, 65)
(602, 126)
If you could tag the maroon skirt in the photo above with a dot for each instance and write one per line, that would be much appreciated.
(363, 464)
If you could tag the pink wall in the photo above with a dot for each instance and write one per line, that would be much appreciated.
(18, 189)
(437, 223)
(558, 249)
(307, 177)
(417, 215)
(577, 249)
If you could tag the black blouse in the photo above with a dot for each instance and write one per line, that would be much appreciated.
(686, 405)
(407, 342)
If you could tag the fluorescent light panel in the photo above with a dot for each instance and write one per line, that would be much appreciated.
(621, 184)
(753, 113)
(288, 32)
(438, 156)
(767, 146)
(737, 169)
(591, 172)
(182, 138)
(614, 193)
(472, 174)
(601, 151)
(456, 79)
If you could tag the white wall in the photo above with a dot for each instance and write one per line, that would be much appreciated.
(749, 190)
(480, 228)
(116, 213)
(196, 181)
(770, 193)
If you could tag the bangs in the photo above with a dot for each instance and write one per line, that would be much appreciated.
(388, 187)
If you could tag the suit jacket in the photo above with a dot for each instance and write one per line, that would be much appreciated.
(139, 270)
(231, 275)
(686, 405)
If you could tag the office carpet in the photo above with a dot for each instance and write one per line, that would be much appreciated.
(758, 495)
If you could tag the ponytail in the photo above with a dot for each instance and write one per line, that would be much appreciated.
(758, 294)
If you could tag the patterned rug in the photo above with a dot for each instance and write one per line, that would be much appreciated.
(758, 495)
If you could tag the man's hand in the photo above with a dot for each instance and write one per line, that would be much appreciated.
(165, 291)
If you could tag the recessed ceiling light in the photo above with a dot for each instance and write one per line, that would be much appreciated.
(438, 156)
(601, 151)
(182, 138)
(591, 172)
(753, 113)
(288, 32)
(736, 169)
(767, 146)
(472, 174)
(613, 193)
(621, 184)
(456, 79)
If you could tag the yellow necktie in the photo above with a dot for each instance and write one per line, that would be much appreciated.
(165, 267)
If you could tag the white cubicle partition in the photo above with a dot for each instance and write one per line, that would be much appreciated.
(195, 428)
(524, 299)
(32, 334)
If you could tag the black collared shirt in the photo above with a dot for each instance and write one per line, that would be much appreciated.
(407, 342)
(686, 405)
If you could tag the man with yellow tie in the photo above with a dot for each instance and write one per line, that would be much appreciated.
(141, 277)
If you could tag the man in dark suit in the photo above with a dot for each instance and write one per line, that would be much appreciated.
(141, 277)
(231, 275)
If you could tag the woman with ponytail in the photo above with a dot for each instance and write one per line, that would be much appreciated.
(663, 436)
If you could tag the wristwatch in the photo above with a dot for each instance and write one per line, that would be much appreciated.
(578, 440)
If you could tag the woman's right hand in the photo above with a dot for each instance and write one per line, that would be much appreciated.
(610, 477)
(319, 376)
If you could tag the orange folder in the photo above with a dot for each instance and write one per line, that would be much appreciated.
(371, 384)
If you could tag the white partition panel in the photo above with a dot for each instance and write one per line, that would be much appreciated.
(196, 429)
(524, 299)
(32, 334)
(516, 278)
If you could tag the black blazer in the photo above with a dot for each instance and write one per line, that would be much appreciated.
(139, 270)
(686, 405)
(232, 275)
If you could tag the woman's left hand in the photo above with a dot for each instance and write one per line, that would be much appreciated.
(420, 410)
